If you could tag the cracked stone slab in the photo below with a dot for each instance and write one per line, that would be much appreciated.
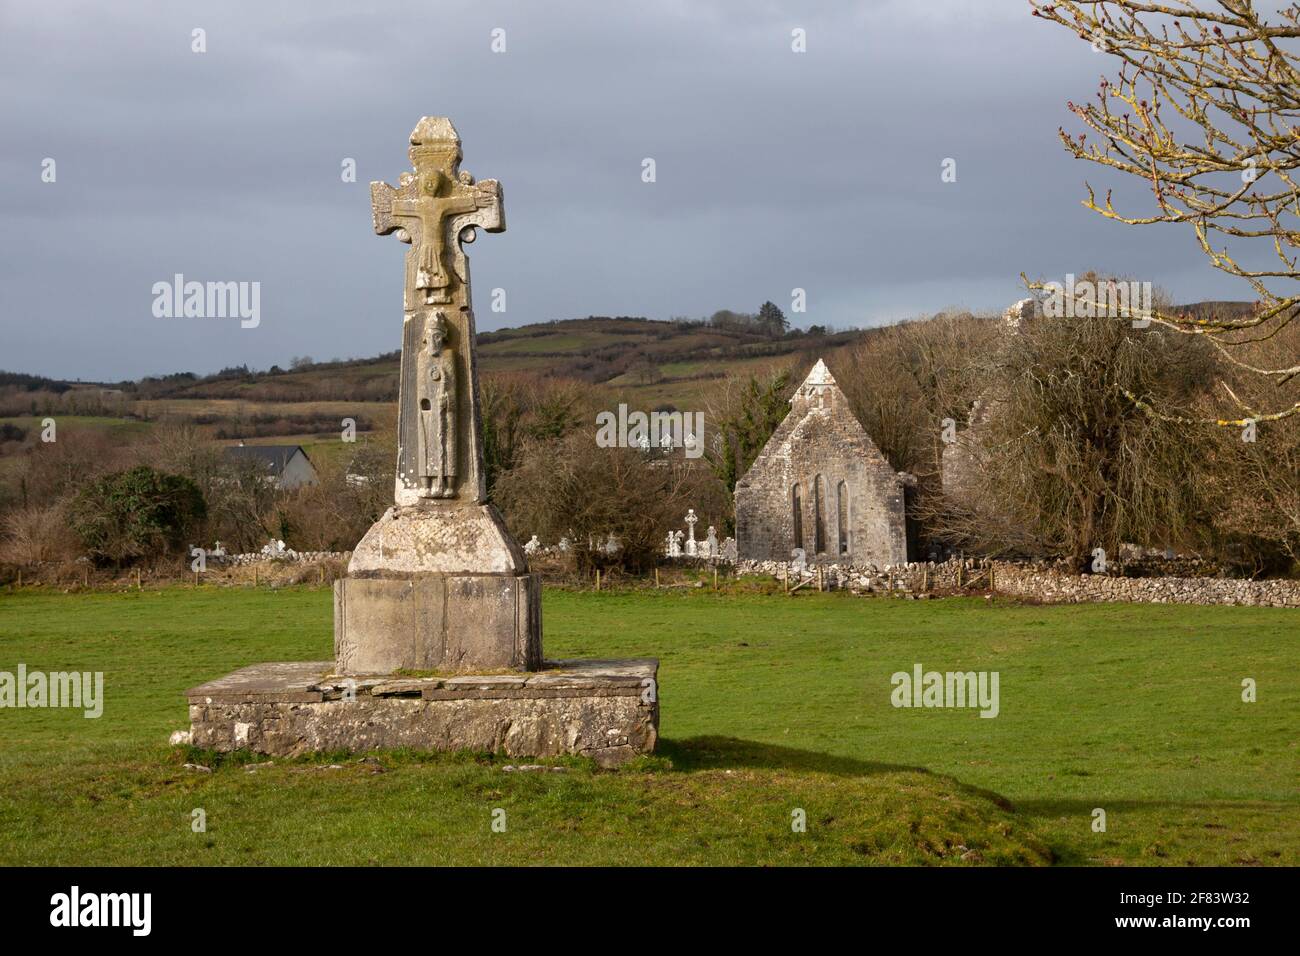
(302, 682)
(294, 681)
(411, 687)
(486, 682)
(268, 709)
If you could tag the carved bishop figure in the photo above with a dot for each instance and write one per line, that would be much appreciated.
(436, 461)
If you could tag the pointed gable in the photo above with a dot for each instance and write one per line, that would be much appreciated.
(821, 484)
(815, 402)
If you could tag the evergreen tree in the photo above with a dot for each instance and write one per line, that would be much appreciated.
(772, 320)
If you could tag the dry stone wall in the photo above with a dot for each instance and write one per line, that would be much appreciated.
(1032, 582)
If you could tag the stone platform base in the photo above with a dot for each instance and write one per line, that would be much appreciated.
(607, 710)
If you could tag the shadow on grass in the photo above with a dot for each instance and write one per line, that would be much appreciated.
(715, 753)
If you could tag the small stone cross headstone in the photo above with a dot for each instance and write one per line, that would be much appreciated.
(690, 524)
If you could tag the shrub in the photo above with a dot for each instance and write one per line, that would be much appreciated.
(127, 515)
(35, 534)
(574, 489)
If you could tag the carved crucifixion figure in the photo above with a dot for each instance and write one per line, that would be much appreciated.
(438, 197)
(435, 208)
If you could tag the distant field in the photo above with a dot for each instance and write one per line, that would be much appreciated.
(122, 426)
(238, 408)
(770, 704)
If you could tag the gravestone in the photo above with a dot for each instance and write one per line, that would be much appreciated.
(438, 582)
(437, 624)
(690, 524)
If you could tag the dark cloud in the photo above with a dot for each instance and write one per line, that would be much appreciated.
(775, 170)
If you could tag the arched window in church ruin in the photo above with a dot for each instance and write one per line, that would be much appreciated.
(819, 514)
(796, 502)
(842, 516)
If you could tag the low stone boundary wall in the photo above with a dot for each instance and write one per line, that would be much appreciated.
(1028, 581)
(294, 557)
(1056, 588)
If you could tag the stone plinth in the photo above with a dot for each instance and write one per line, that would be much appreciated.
(438, 588)
(437, 539)
(604, 709)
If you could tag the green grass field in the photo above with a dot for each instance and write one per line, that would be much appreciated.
(770, 705)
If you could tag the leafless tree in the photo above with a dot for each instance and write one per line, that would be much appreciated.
(1204, 110)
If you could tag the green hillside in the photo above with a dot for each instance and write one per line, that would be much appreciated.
(649, 364)
(638, 359)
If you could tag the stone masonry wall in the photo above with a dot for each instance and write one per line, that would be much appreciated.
(1032, 582)
(1056, 588)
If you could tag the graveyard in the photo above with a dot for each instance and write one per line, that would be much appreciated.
(772, 704)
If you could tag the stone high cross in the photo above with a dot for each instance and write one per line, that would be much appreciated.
(435, 209)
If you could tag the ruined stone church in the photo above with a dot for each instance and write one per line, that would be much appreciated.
(820, 484)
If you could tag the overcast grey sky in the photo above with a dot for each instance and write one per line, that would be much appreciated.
(775, 169)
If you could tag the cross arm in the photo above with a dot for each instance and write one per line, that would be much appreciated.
(382, 197)
(490, 211)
